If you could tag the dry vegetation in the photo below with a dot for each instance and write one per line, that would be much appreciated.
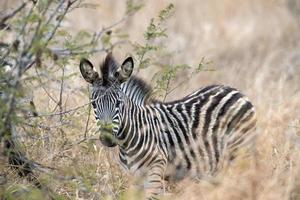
(253, 45)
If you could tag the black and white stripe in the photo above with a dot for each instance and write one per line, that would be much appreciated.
(191, 136)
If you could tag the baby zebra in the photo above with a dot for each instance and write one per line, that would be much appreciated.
(188, 137)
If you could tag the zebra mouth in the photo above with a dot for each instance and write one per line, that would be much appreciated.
(106, 136)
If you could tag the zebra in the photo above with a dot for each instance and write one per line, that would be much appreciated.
(187, 137)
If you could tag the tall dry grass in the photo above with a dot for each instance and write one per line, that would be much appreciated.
(254, 45)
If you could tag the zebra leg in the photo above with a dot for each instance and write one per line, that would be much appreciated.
(154, 181)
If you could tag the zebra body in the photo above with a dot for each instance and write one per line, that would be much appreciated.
(191, 136)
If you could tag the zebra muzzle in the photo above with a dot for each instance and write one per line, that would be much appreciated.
(106, 135)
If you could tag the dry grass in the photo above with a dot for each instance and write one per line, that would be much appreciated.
(254, 46)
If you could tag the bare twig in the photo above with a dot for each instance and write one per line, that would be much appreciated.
(13, 13)
(63, 112)
(105, 29)
(36, 35)
(55, 12)
(72, 52)
(21, 33)
(88, 119)
(75, 144)
(59, 20)
(61, 92)
(167, 88)
(77, 50)
(48, 128)
(188, 78)
(76, 108)
(42, 85)
(69, 52)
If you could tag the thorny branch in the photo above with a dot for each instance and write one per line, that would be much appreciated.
(74, 52)
(73, 109)
(25, 60)
(94, 40)
(26, 57)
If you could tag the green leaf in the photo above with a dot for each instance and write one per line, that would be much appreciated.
(166, 13)
(105, 39)
(205, 65)
(82, 35)
(132, 7)
(34, 17)
(62, 33)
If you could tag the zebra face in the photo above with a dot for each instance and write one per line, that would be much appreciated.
(107, 92)
(105, 102)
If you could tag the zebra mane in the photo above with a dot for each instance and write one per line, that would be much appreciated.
(137, 90)
(108, 68)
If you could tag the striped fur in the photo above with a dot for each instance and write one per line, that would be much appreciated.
(192, 136)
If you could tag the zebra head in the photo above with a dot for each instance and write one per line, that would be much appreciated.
(107, 95)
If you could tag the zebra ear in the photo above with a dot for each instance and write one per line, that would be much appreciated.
(87, 71)
(126, 70)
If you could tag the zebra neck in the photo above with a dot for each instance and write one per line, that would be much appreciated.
(129, 116)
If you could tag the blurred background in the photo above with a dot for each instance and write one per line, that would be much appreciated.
(252, 45)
